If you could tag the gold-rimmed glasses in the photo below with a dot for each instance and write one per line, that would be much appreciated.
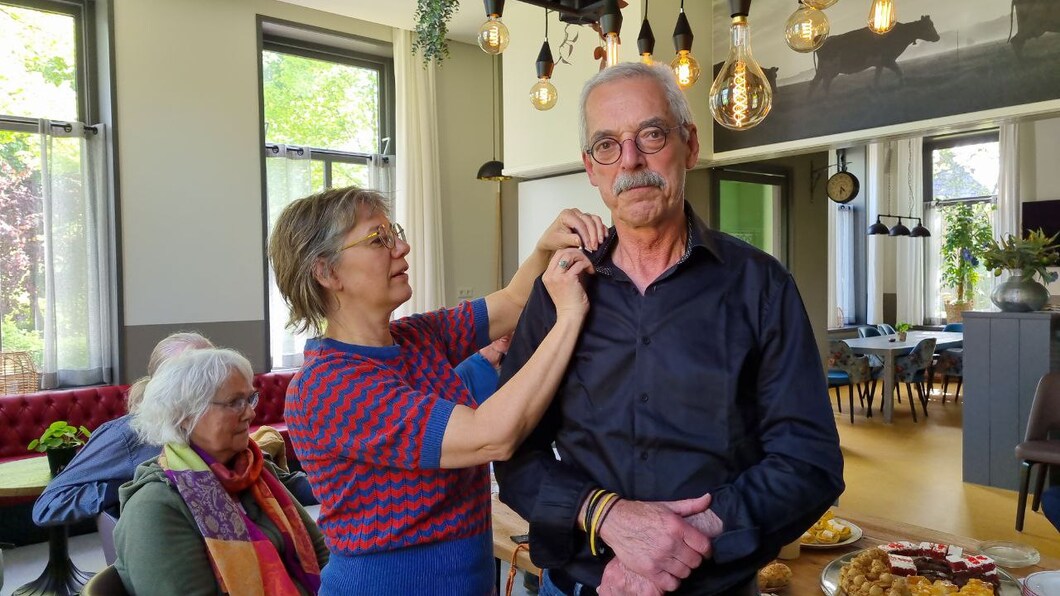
(387, 236)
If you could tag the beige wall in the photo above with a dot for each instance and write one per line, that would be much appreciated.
(189, 151)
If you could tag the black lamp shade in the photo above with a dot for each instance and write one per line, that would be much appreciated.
(494, 7)
(545, 63)
(492, 170)
(919, 231)
(611, 20)
(646, 39)
(739, 8)
(682, 33)
(877, 228)
(899, 229)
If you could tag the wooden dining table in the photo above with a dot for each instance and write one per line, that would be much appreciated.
(28, 478)
(889, 348)
(806, 568)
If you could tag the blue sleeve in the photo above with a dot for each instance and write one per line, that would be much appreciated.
(479, 376)
(89, 484)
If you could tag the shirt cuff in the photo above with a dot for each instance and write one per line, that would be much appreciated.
(740, 541)
(553, 521)
(482, 322)
(431, 449)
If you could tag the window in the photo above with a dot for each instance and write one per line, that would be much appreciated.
(54, 281)
(960, 189)
(328, 120)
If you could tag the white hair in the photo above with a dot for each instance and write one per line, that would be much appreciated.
(170, 346)
(662, 75)
(181, 390)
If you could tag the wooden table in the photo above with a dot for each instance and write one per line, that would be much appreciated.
(890, 348)
(806, 569)
(28, 478)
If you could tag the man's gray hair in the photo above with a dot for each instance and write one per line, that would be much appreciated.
(675, 98)
(181, 390)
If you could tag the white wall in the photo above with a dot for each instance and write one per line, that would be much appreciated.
(540, 201)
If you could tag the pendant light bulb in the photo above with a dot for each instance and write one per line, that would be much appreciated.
(740, 97)
(685, 66)
(882, 16)
(806, 29)
(493, 35)
(543, 94)
(819, 4)
(610, 27)
(686, 69)
(611, 47)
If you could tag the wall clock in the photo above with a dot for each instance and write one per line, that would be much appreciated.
(842, 187)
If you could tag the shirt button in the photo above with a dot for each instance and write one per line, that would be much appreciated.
(644, 398)
(646, 340)
(644, 455)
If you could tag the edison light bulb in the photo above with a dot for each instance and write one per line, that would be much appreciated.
(611, 46)
(806, 29)
(543, 94)
(740, 96)
(686, 69)
(882, 16)
(819, 4)
(493, 36)
(647, 59)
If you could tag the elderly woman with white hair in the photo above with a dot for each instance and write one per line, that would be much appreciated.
(209, 515)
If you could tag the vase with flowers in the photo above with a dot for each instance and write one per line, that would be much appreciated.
(1025, 259)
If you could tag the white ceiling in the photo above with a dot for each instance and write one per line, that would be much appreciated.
(401, 13)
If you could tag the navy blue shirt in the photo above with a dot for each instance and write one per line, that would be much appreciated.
(708, 382)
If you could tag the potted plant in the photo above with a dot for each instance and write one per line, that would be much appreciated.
(1024, 259)
(60, 442)
(967, 231)
(902, 329)
(432, 25)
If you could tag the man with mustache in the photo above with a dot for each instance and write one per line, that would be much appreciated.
(692, 430)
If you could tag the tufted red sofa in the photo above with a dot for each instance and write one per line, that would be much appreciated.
(24, 417)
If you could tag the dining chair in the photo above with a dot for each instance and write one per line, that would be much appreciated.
(868, 331)
(950, 364)
(886, 329)
(1037, 449)
(914, 369)
(105, 583)
(846, 369)
(954, 328)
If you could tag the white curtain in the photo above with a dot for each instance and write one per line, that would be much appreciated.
(877, 202)
(1008, 184)
(844, 263)
(418, 181)
(75, 264)
(909, 252)
(288, 177)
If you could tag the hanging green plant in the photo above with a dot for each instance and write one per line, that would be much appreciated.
(432, 25)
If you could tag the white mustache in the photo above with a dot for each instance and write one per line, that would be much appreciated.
(625, 182)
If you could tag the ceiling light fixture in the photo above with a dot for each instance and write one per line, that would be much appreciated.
(740, 97)
(646, 39)
(610, 27)
(684, 65)
(543, 94)
(493, 34)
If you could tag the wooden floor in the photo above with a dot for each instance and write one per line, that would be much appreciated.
(912, 472)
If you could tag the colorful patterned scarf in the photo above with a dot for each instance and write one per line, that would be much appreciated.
(243, 558)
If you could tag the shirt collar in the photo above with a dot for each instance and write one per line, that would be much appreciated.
(699, 235)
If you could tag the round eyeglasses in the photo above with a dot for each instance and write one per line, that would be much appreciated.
(386, 235)
(650, 139)
(238, 405)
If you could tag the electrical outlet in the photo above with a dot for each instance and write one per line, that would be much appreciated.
(464, 293)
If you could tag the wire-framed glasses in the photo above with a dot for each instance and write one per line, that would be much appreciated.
(650, 139)
(238, 405)
(387, 236)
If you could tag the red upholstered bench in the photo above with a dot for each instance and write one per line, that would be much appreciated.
(24, 417)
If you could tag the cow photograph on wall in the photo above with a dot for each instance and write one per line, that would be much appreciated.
(943, 58)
